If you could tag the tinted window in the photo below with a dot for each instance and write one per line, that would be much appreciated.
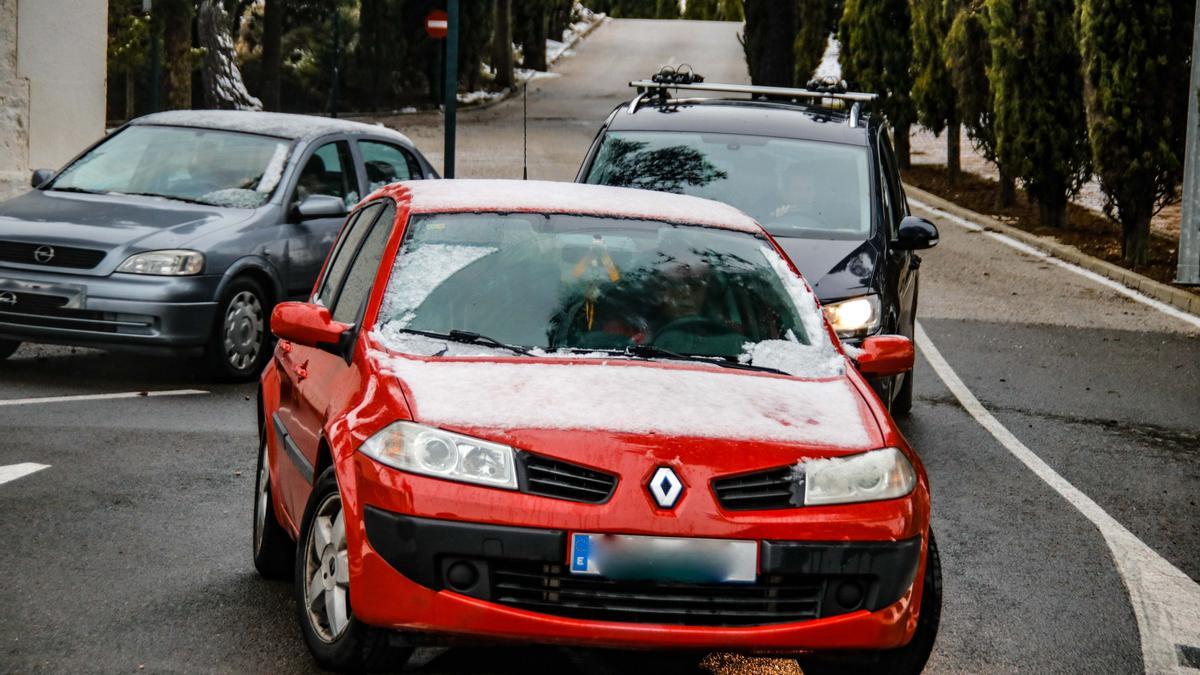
(363, 268)
(386, 163)
(893, 210)
(329, 171)
(343, 252)
(793, 187)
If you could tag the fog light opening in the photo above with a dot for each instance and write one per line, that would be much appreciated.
(849, 595)
(462, 576)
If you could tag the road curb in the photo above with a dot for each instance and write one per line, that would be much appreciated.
(1180, 299)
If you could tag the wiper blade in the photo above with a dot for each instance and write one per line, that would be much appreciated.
(172, 198)
(652, 352)
(467, 337)
(75, 189)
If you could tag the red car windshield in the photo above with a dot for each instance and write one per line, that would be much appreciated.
(579, 283)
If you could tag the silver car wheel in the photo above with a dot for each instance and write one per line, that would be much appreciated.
(327, 571)
(261, 499)
(243, 330)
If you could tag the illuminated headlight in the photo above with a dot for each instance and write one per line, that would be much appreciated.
(854, 317)
(175, 263)
(420, 449)
(871, 476)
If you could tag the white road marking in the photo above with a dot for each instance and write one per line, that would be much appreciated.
(1087, 274)
(1166, 602)
(99, 397)
(15, 471)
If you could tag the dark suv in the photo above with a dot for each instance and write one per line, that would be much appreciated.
(811, 166)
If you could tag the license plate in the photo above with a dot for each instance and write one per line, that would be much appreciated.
(75, 295)
(629, 557)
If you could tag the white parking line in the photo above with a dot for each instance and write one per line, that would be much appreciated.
(99, 397)
(1087, 274)
(12, 472)
(1166, 602)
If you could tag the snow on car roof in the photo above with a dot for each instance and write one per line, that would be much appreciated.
(504, 196)
(283, 125)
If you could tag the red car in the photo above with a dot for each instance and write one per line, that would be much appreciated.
(590, 416)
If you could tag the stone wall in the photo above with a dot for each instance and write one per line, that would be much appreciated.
(14, 108)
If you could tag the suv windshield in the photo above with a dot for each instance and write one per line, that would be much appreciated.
(551, 283)
(220, 168)
(792, 187)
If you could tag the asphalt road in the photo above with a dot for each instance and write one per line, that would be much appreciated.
(132, 550)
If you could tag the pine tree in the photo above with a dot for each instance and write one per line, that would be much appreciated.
(1135, 58)
(933, 87)
(968, 57)
(767, 39)
(1041, 133)
(877, 56)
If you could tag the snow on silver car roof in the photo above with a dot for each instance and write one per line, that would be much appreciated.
(283, 125)
(503, 196)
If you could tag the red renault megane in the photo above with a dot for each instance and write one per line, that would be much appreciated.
(589, 416)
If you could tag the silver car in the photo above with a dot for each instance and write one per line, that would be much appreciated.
(178, 232)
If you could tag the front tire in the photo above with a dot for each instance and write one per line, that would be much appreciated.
(273, 549)
(902, 403)
(239, 345)
(907, 660)
(8, 348)
(337, 640)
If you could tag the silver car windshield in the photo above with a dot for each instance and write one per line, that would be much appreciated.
(205, 166)
(792, 187)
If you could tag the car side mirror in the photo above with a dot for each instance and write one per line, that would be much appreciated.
(319, 206)
(41, 177)
(310, 325)
(885, 355)
(915, 234)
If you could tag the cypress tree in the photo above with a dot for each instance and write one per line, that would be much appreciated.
(701, 10)
(1135, 58)
(933, 88)
(768, 39)
(812, 35)
(1041, 133)
(730, 10)
(877, 56)
(666, 9)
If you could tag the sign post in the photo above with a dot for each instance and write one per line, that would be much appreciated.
(444, 25)
(1189, 226)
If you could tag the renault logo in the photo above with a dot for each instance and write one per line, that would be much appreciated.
(8, 298)
(43, 254)
(665, 487)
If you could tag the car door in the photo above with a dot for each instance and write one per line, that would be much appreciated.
(327, 169)
(299, 430)
(899, 277)
(385, 163)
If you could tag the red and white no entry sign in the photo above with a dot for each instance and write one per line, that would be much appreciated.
(437, 23)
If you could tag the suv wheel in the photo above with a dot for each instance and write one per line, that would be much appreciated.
(239, 345)
(338, 641)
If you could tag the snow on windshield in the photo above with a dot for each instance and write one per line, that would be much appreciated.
(631, 398)
(418, 272)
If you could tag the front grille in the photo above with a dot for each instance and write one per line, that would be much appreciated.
(770, 489)
(562, 480)
(63, 256)
(551, 589)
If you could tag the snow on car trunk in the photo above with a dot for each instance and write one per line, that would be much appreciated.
(639, 398)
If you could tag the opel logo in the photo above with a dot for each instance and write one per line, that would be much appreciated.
(665, 487)
(8, 298)
(43, 254)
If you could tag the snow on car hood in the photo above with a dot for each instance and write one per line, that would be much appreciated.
(637, 397)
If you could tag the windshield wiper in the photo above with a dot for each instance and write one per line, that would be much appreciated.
(652, 352)
(172, 198)
(75, 189)
(467, 337)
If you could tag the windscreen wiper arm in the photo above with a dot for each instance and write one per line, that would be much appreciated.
(467, 337)
(652, 352)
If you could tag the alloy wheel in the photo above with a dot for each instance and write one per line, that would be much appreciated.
(243, 330)
(327, 571)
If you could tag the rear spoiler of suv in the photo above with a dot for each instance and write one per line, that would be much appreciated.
(652, 87)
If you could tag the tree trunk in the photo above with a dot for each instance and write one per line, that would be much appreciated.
(1008, 190)
(532, 26)
(903, 155)
(272, 54)
(769, 41)
(502, 56)
(223, 85)
(130, 94)
(953, 151)
(177, 57)
(1053, 214)
(1136, 236)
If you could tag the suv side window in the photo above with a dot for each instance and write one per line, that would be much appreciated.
(329, 171)
(891, 186)
(343, 252)
(363, 268)
(386, 163)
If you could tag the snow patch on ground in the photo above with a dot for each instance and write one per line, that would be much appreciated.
(631, 398)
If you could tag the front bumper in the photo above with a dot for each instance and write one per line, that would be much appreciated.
(121, 311)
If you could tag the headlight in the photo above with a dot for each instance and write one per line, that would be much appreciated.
(871, 476)
(854, 317)
(175, 263)
(433, 452)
